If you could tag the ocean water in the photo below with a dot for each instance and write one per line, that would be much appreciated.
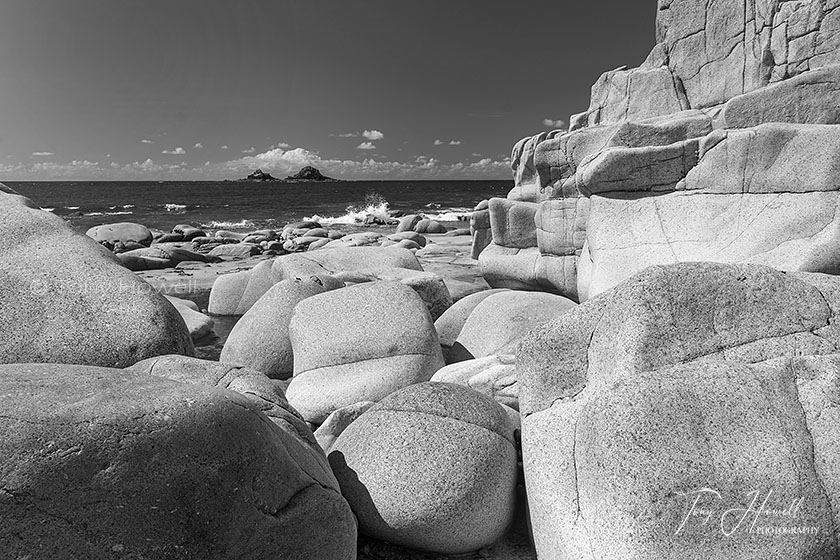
(248, 206)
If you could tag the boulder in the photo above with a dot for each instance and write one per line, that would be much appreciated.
(332, 261)
(159, 257)
(328, 432)
(431, 467)
(480, 228)
(494, 376)
(235, 293)
(449, 324)
(428, 285)
(512, 223)
(409, 222)
(498, 322)
(429, 226)
(260, 339)
(150, 468)
(65, 299)
(232, 235)
(410, 236)
(672, 345)
(357, 344)
(236, 250)
(111, 234)
(198, 324)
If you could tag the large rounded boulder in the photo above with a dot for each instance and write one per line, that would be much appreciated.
(359, 343)
(125, 232)
(103, 463)
(66, 299)
(499, 321)
(432, 467)
(260, 339)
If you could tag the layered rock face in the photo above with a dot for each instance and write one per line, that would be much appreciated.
(720, 147)
(690, 392)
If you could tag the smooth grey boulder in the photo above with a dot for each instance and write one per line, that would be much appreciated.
(360, 343)
(650, 383)
(431, 467)
(260, 339)
(111, 234)
(338, 420)
(498, 322)
(198, 324)
(104, 463)
(494, 376)
(449, 325)
(66, 299)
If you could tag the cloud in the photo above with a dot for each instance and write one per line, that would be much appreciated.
(373, 135)
(144, 141)
(454, 142)
(438, 142)
(278, 162)
(554, 123)
(225, 147)
(198, 145)
(282, 145)
(42, 153)
(366, 146)
(179, 151)
(346, 135)
(250, 150)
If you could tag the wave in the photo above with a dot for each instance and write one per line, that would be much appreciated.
(48, 209)
(242, 224)
(451, 214)
(374, 205)
(175, 208)
(72, 207)
(120, 213)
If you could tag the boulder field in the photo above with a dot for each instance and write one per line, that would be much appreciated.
(655, 373)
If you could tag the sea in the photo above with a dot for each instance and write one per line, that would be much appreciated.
(241, 206)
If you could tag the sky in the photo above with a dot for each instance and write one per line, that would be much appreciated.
(361, 89)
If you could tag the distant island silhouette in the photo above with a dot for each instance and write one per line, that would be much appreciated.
(307, 173)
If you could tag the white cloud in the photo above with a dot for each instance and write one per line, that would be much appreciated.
(250, 150)
(476, 154)
(373, 135)
(278, 162)
(282, 145)
(225, 147)
(179, 151)
(198, 145)
(42, 153)
(554, 123)
(366, 146)
(438, 142)
(454, 142)
(144, 141)
(346, 135)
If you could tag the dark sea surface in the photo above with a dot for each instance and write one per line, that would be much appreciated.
(247, 206)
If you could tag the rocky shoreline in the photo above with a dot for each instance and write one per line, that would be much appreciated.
(635, 354)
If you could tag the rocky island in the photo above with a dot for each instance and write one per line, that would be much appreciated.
(308, 174)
